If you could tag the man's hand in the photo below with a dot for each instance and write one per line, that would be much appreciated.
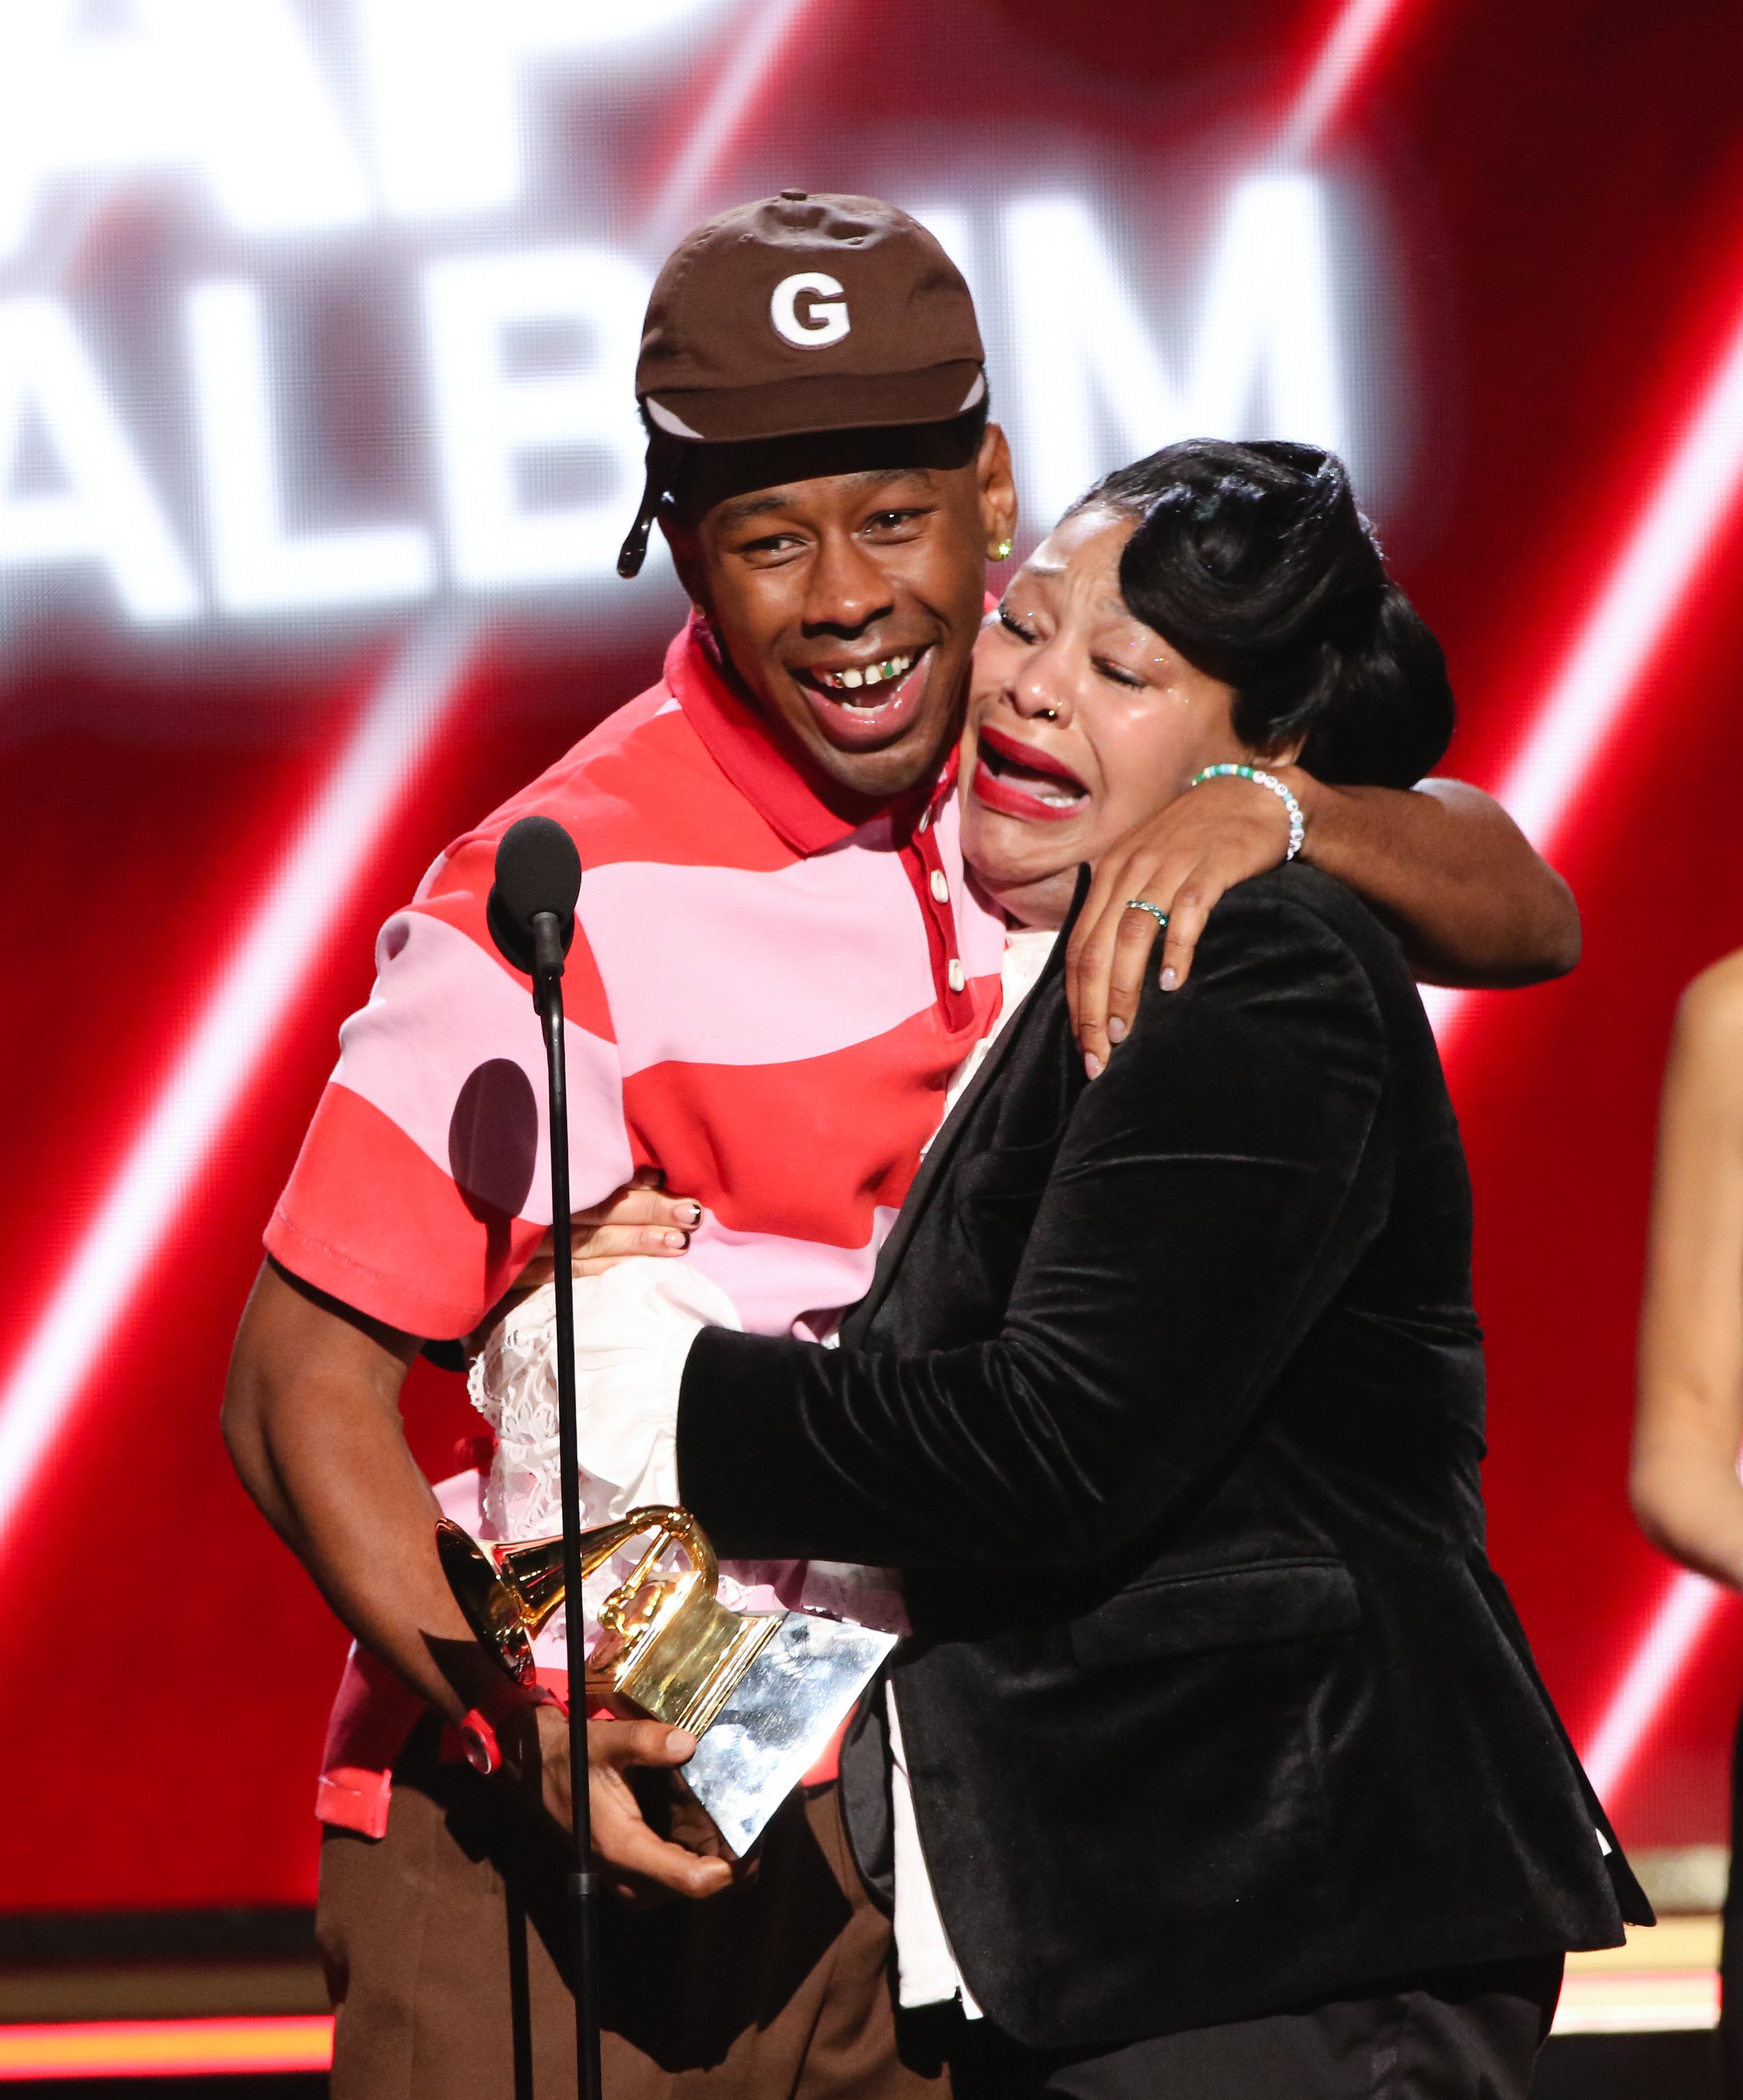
(638, 1219)
(1181, 861)
(641, 1865)
(1440, 863)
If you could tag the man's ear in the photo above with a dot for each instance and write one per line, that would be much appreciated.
(997, 486)
(686, 558)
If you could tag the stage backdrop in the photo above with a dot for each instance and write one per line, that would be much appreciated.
(317, 320)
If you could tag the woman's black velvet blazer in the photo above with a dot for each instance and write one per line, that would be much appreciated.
(1168, 1397)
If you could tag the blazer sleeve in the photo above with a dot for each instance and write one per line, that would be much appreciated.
(1213, 1190)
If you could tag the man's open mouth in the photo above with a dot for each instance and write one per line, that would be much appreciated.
(1017, 780)
(866, 704)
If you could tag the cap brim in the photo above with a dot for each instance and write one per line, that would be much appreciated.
(822, 401)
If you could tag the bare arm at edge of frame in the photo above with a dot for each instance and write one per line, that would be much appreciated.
(1689, 1421)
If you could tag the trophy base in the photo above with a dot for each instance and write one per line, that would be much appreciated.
(778, 1721)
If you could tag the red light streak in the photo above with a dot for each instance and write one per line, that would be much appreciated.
(258, 989)
(1684, 1611)
(765, 29)
(1660, 559)
(1346, 53)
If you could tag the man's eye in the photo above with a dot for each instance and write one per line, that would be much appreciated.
(891, 521)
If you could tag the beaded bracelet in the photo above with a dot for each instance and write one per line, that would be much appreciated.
(1297, 821)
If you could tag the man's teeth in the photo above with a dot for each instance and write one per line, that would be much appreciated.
(874, 674)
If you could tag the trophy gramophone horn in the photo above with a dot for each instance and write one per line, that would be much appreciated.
(510, 1593)
(670, 1649)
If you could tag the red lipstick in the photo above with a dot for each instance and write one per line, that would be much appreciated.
(1018, 780)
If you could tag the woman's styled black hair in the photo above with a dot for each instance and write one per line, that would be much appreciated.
(1254, 562)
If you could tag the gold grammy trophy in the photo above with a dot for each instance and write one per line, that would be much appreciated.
(764, 1691)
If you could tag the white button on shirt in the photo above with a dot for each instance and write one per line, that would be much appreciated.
(1026, 949)
(941, 888)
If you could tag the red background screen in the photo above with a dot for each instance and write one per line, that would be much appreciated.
(316, 447)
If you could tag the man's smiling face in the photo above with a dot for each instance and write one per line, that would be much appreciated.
(848, 590)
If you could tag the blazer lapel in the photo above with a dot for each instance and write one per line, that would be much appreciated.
(938, 1157)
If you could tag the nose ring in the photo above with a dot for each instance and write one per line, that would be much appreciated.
(1048, 714)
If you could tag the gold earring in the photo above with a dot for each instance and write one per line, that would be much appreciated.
(1002, 552)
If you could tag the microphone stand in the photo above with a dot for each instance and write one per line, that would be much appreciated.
(585, 1884)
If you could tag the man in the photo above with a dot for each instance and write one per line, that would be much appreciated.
(777, 969)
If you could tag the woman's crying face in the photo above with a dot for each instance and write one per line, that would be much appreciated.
(1082, 721)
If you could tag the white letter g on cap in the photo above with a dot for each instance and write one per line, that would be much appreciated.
(828, 321)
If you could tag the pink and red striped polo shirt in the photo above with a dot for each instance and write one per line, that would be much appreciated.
(769, 992)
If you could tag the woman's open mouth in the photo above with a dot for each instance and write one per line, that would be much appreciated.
(1017, 780)
(861, 706)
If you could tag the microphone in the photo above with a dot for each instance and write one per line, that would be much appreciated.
(531, 913)
(530, 909)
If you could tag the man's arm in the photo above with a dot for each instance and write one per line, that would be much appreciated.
(311, 1417)
(1442, 863)
(1683, 1480)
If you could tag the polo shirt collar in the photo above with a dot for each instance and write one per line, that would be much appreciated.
(809, 811)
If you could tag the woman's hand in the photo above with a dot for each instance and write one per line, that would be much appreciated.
(1443, 865)
(638, 1219)
(1181, 860)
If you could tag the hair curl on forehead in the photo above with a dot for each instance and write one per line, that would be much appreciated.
(1254, 563)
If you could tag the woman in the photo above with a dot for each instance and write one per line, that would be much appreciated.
(1231, 1772)
(1689, 1424)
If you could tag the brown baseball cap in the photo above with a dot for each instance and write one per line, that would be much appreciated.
(803, 313)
